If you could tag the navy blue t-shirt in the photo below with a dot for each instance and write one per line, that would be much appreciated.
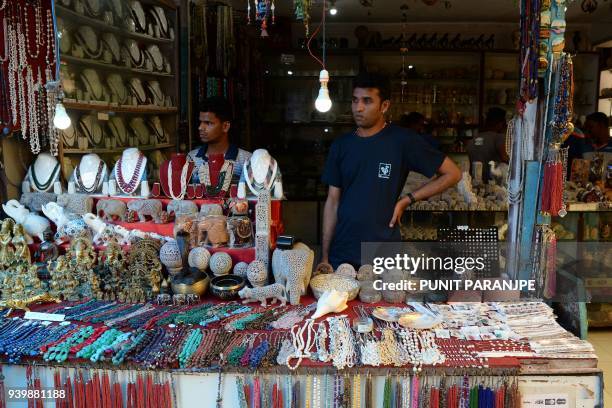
(371, 173)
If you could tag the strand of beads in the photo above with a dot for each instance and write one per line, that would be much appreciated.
(190, 346)
(342, 344)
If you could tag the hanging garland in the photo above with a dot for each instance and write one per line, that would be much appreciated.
(27, 60)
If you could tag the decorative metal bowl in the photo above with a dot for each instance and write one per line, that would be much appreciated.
(226, 287)
(195, 287)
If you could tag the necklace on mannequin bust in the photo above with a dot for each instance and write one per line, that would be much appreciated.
(223, 183)
(44, 186)
(132, 185)
(253, 172)
(79, 181)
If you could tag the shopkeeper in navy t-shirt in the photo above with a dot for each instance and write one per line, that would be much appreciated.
(366, 171)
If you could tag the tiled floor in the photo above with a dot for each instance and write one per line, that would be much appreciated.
(601, 339)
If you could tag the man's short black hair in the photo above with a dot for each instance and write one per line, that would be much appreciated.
(411, 119)
(599, 117)
(496, 115)
(374, 80)
(219, 106)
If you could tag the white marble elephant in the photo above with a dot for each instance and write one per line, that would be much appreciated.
(33, 224)
(292, 268)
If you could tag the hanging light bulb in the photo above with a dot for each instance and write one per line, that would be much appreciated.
(61, 120)
(333, 10)
(323, 102)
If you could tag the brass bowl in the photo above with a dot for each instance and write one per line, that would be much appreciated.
(197, 288)
(226, 287)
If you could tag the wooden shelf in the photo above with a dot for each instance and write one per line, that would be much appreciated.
(152, 110)
(118, 149)
(112, 67)
(65, 12)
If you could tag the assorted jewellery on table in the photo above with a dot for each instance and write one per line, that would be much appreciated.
(29, 53)
(225, 336)
(250, 336)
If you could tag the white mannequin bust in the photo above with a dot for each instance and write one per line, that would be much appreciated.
(44, 174)
(260, 173)
(89, 171)
(133, 175)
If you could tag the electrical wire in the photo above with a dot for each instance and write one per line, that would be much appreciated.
(314, 34)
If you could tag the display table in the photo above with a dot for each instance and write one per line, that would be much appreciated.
(577, 380)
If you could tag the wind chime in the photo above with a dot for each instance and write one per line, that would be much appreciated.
(264, 10)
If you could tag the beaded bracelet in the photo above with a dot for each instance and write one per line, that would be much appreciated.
(137, 339)
(189, 346)
(61, 351)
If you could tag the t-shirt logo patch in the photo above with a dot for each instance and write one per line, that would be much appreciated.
(384, 170)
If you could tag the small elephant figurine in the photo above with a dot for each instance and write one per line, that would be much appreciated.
(112, 208)
(35, 200)
(182, 207)
(78, 204)
(293, 269)
(148, 207)
(276, 291)
(212, 230)
(211, 209)
(68, 224)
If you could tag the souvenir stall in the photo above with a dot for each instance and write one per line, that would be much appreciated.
(132, 276)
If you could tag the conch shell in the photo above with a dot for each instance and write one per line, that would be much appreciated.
(331, 301)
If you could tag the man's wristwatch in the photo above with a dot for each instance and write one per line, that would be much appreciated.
(411, 197)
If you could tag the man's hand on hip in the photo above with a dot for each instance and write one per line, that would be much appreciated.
(399, 209)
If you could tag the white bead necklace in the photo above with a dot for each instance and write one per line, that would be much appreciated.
(183, 180)
(301, 348)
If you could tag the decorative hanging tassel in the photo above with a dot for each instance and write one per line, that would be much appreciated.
(414, 392)
(368, 392)
(552, 190)
(264, 29)
(57, 384)
(69, 402)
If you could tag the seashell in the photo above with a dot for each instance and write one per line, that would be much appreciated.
(331, 301)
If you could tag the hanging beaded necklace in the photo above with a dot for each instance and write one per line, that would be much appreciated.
(45, 185)
(130, 187)
(223, 183)
(96, 183)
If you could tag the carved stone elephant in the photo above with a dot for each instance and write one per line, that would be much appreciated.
(182, 207)
(78, 204)
(144, 208)
(212, 230)
(293, 269)
(111, 208)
